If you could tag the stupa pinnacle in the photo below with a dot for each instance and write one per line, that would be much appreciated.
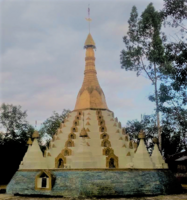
(91, 95)
(89, 42)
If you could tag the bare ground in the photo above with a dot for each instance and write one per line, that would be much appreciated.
(166, 197)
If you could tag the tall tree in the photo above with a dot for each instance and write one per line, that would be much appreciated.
(174, 112)
(174, 14)
(172, 92)
(144, 50)
(13, 122)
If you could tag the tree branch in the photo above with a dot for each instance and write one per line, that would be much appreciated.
(146, 70)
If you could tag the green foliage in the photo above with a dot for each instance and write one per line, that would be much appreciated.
(174, 119)
(13, 121)
(143, 44)
(52, 123)
(176, 10)
(167, 96)
(174, 14)
(172, 93)
(172, 136)
(177, 54)
(172, 105)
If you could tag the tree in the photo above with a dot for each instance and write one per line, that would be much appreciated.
(174, 14)
(172, 105)
(176, 11)
(172, 92)
(172, 133)
(52, 123)
(13, 121)
(144, 50)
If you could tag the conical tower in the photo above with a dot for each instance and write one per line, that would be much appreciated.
(157, 157)
(90, 96)
(33, 158)
(142, 158)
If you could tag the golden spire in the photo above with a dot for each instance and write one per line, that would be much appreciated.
(90, 96)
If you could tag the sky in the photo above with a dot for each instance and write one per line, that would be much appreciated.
(42, 56)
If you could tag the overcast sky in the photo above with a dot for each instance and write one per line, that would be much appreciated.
(42, 56)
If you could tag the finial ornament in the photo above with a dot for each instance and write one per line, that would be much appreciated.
(29, 142)
(89, 41)
(88, 19)
(35, 134)
(141, 134)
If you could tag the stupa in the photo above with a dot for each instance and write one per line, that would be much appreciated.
(91, 155)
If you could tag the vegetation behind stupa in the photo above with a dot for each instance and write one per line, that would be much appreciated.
(150, 51)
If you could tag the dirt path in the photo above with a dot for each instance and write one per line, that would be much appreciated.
(168, 197)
